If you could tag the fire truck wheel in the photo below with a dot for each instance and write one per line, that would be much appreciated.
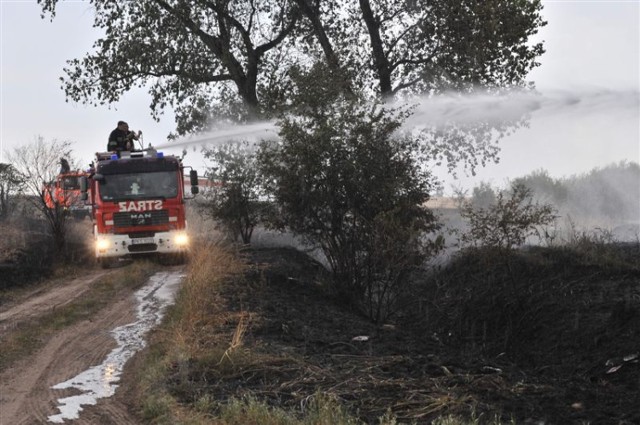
(173, 259)
(105, 263)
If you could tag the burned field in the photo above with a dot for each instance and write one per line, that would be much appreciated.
(548, 335)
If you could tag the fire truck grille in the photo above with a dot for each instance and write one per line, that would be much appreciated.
(147, 247)
(143, 218)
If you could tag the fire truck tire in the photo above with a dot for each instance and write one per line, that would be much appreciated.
(173, 259)
(105, 263)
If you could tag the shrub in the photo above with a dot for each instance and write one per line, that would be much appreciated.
(344, 179)
(508, 222)
(235, 203)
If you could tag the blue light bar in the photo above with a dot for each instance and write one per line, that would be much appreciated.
(114, 156)
(160, 155)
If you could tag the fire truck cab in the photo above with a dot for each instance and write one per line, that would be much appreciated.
(138, 204)
(64, 192)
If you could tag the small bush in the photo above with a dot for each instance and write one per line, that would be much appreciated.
(235, 200)
(25, 256)
(508, 222)
(346, 180)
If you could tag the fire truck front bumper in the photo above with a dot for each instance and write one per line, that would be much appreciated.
(124, 245)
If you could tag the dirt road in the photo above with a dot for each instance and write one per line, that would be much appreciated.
(27, 395)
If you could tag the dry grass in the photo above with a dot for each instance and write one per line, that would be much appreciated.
(236, 340)
(203, 341)
(12, 237)
(209, 265)
(205, 364)
(15, 239)
(27, 254)
(188, 336)
(260, 343)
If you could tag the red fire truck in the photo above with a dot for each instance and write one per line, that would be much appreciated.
(64, 192)
(138, 204)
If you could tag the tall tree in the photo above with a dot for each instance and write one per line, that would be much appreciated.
(427, 46)
(199, 56)
(414, 49)
(233, 60)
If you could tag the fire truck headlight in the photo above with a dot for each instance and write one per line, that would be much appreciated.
(181, 239)
(102, 244)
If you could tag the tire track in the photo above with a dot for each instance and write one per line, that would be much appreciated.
(66, 354)
(57, 295)
(27, 395)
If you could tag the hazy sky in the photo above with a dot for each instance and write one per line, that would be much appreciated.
(593, 47)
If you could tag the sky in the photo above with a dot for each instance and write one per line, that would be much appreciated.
(592, 57)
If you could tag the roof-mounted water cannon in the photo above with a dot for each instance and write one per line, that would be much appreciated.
(151, 151)
(140, 140)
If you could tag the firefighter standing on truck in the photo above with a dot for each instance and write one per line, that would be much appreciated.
(64, 166)
(121, 139)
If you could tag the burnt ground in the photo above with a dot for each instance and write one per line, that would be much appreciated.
(540, 336)
(544, 336)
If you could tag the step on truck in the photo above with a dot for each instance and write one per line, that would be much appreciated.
(138, 205)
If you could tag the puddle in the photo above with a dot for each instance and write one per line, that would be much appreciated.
(102, 380)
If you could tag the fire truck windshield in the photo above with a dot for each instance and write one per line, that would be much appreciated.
(161, 184)
(71, 182)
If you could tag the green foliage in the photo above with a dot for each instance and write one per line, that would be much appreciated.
(604, 197)
(345, 180)
(211, 61)
(235, 200)
(609, 192)
(321, 409)
(199, 58)
(215, 58)
(11, 183)
(508, 222)
(422, 46)
(483, 196)
(544, 186)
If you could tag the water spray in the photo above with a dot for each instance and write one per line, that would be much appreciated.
(255, 131)
(452, 109)
(455, 109)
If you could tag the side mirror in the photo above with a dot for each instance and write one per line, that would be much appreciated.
(84, 184)
(193, 177)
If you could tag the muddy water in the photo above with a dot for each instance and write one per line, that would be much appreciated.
(101, 381)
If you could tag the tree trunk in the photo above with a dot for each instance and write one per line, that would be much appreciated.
(379, 58)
